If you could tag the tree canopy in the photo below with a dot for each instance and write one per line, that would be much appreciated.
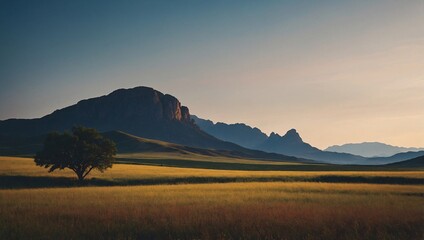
(81, 150)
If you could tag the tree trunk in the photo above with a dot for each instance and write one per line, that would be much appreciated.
(81, 172)
(80, 177)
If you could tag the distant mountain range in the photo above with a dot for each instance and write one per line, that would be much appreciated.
(290, 144)
(132, 116)
(411, 163)
(395, 158)
(141, 111)
(371, 149)
(239, 133)
(127, 143)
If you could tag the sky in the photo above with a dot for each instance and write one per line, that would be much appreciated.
(337, 71)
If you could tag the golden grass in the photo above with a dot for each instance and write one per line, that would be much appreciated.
(26, 167)
(215, 211)
(273, 210)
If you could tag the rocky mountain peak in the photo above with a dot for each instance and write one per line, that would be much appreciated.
(274, 135)
(140, 101)
(292, 136)
(140, 110)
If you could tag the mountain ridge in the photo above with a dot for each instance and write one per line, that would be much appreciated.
(411, 163)
(240, 133)
(128, 143)
(141, 111)
(292, 144)
(147, 113)
(372, 149)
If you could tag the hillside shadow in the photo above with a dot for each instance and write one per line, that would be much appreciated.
(22, 182)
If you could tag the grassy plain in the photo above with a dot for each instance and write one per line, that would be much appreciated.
(271, 209)
(215, 211)
(22, 172)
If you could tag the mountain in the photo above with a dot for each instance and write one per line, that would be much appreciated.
(150, 114)
(140, 111)
(371, 149)
(291, 144)
(395, 158)
(127, 143)
(413, 163)
(238, 133)
(13, 146)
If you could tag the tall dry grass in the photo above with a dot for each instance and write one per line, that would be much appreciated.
(215, 211)
(10, 166)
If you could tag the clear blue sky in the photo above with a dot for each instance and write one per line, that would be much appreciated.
(338, 71)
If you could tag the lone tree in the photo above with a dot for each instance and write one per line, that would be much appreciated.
(82, 150)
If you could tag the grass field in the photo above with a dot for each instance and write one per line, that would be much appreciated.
(22, 172)
(215, 211)
(282, 206)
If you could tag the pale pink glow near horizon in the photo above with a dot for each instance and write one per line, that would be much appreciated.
(374, 96)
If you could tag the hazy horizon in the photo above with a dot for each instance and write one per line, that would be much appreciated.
(337, 71)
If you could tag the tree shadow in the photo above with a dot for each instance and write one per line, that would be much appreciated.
(22, 182)
(12, 182)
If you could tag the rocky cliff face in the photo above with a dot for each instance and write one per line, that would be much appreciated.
(141, 111)
(139, 103)
(172, 109)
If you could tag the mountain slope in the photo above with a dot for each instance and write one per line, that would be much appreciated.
(415, 162)
(20, 146)
(291, 144)
(238, 133)
(127, 143)
(140, 111)
(371, 149)
(395, 158)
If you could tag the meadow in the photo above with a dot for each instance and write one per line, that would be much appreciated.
(257, 205)
(16, 172)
